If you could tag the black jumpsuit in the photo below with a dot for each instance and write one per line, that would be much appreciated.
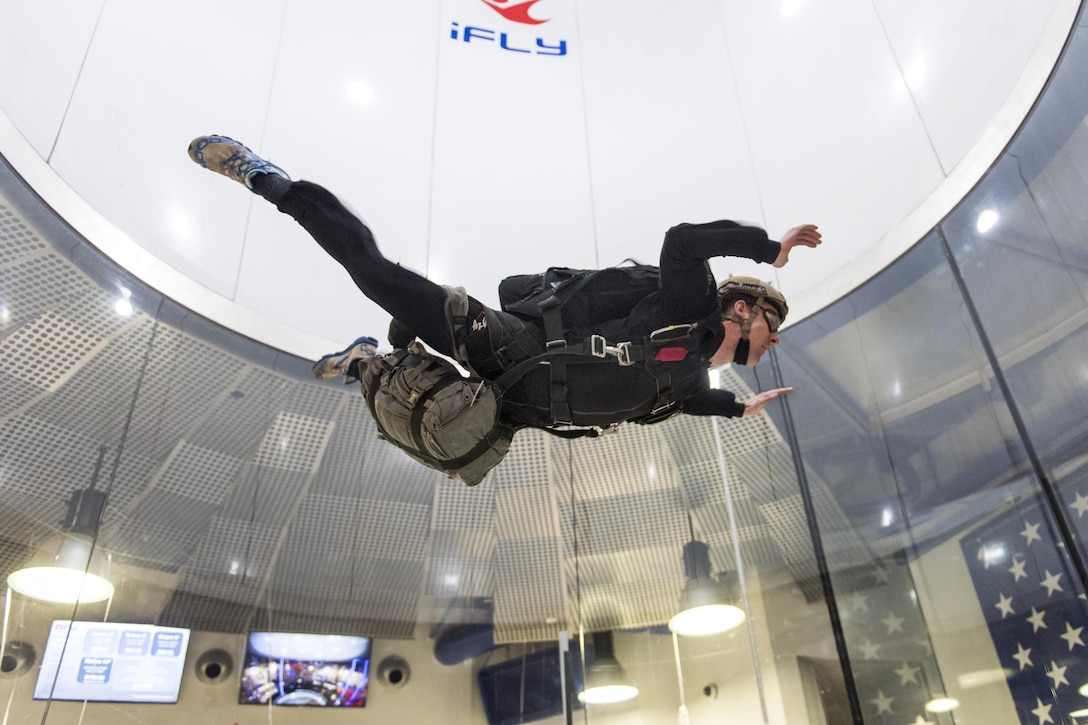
(600, 394)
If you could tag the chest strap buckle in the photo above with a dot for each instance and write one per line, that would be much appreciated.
(599, 347)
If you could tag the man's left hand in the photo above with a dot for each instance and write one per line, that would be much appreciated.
(759, 402)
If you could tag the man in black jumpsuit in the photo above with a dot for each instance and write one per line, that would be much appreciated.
(739, 321)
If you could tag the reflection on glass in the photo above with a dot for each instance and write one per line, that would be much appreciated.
(123, 305)
(606, 680)
(305, 669)
(63, 571)
(703, 611)
(987, 218)
(942, 704)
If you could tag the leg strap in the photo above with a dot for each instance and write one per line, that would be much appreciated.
(457, 322)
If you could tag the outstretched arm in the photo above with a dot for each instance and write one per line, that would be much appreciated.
(688, 287)
(760, 401)
(686, 281)
(724, 403)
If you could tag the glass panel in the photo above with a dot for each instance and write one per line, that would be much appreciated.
(1019, 242)
(906, 444)
(635, 504)
(1028, 273)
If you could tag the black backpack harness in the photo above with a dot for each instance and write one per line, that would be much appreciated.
(567, 300)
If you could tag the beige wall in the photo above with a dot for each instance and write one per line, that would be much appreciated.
(437, 693)
(783, 624)
(432, 689)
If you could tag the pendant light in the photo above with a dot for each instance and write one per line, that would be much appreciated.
(606, 681)
(705, 605)
(68, 568)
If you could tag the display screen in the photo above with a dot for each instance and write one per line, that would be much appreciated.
(305, 669)
(530, 687)
(112, 662)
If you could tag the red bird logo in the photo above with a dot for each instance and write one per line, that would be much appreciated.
(518, 12)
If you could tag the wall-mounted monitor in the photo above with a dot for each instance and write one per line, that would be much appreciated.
(305, 669)
(112, 662)
(528, 688)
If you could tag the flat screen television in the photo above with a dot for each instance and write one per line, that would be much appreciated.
(112, 662)
(319, 670)
(529, 688)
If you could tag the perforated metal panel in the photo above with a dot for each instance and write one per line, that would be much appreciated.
(391, 529)
(238, 420)
(199, 473)
(17, 395)
(464, 508)
(661, 564)
(166, 508)
(49, 349)
(17, 239)
(462, 541)
(293, 443)
(523, 614)
(626, 605)
(233, 557)
(12, 555)
(190, 609)
(139, 542)
(634, 459)
(787, 522)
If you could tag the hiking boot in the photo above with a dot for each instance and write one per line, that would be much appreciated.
(340, 363)
(231, 159)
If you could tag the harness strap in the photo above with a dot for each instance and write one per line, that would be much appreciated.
(665, 405)
(456, 311)
(419, 404)
(496, 434)
(596, 349)
(558, 393)
(569, 433)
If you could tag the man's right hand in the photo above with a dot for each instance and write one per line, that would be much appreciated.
(806, 235)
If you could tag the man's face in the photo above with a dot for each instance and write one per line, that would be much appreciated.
(761, 337)
(764, 332)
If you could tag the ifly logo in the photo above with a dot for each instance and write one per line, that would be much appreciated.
(515, 41)
(516, 12)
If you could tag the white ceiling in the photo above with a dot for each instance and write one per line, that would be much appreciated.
(474, 160)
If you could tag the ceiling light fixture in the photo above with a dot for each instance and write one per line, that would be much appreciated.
(606, 681)
(359, 93)
(70, 567)
(67, 568)
(705, 605)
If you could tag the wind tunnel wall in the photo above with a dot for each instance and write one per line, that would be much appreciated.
(933, 451)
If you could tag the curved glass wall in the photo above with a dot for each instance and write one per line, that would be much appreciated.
(904, 535)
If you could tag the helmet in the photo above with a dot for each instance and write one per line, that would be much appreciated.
(761, 291)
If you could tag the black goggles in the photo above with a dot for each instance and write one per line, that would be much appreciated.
(770, 315)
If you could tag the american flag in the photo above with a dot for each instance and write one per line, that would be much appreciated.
(891, 656)
(1035, 610)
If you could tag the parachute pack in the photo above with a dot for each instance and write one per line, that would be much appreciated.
(423, 405)
(578, 298)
